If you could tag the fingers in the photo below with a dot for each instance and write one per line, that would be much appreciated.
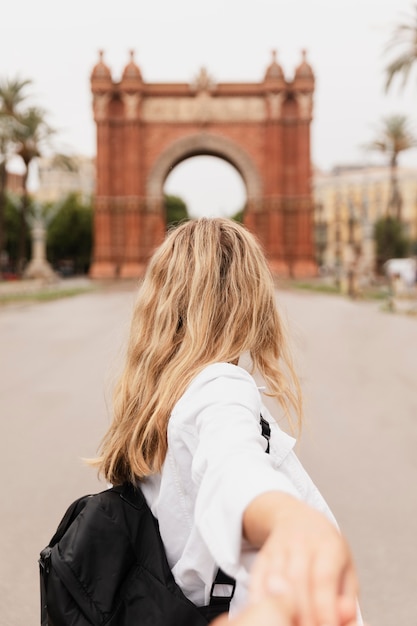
(347, 611)
(303, 557)
(272, 612)
(267, 578)
(325, 595)
(301, 579)
(320, 580)
(349, 602)
(328, 595)
(269, 612)
(327, 581)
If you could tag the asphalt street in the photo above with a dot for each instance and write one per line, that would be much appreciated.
(358, 365)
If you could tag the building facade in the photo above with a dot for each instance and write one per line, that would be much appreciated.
(14, 183)
(145, 129)
(57, 178)
(348, 203)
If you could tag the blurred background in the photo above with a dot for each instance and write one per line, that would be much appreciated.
(354, 317)
(362, 131)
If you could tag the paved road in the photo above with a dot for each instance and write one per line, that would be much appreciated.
(359, 371)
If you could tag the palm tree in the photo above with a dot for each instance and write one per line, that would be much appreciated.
(395, 136)
(65, 162)
(12, 94)
(404, 38)
(6, 140)
(32, 134)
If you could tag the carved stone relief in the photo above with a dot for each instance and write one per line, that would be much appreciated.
(204, 107)
(100, 106)
(203, 81)
(305, 105)
(275, 105)
(131, 102)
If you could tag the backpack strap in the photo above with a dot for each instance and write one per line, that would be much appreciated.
(221, 603)
(266, 432)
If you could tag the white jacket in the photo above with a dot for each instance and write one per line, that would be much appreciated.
(215, 466)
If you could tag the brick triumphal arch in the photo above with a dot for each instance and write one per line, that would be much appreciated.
(146, 129)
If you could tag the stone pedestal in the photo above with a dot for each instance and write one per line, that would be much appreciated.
(38, 267)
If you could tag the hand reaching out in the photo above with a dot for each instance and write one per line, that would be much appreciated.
(272, 611)
(302, 557)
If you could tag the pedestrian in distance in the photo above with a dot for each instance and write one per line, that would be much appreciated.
(186, 428)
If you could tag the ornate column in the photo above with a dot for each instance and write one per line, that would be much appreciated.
(103, 265)
(136, 214)
(132, 265)
(275, 88)
(304, 257)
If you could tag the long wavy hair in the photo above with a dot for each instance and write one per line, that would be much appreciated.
(207, 296)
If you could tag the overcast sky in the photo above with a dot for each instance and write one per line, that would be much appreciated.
(55, 44)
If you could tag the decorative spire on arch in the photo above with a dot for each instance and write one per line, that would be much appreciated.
(304, 70)
(132, 71)
(100, 70)
(274, 70)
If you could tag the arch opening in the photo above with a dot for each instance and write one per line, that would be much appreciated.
(202, 144)
(209, 185)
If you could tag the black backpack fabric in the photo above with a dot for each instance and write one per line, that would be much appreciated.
(106, 566)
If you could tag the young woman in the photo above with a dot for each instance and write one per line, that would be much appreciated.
(186, 426)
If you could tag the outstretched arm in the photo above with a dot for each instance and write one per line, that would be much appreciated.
(301, 556)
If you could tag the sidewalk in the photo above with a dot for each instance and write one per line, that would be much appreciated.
(28, 287)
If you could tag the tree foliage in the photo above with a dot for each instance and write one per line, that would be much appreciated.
(390, 240)
(238, 217)
(23, 132)
(11, 228)
(32, 133)
(70, 236)
(394, 137)
(175, 210)
(12, 95)
(404, 42)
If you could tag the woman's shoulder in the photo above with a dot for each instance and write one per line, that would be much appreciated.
(219, 374)
(222, 383)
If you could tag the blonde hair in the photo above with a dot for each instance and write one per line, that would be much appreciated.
(207, 297)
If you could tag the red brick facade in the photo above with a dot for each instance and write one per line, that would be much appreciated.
(145, 129)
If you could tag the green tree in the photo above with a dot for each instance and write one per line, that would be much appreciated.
(11, 238)
(394, 137)
(32, 134)
(390, 241)
(239, 216)
(175, 210)
(69, 239)
(404, 41)
(12, 94)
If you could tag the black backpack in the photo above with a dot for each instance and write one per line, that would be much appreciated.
(106, 566)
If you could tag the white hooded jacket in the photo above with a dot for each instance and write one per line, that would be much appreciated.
(215, 466)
